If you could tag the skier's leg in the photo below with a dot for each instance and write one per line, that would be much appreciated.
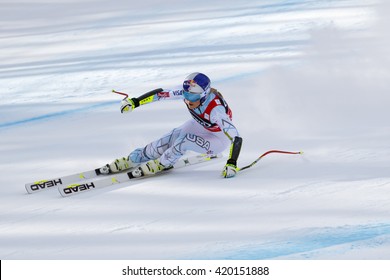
(165, 151)
(151, 151)
(196, 139)
(155, 149)
(201, 141)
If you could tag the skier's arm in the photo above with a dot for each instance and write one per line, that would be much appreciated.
(230, 169)
(129, 104)
(219, 116)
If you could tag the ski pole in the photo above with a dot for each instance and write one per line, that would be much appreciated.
(121, 93)
(266, 153)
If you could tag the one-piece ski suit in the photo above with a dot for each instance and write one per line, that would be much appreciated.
(210, 131)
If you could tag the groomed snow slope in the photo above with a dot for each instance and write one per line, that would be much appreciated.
(299, 75)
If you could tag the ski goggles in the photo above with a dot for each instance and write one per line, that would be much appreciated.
(192, 97)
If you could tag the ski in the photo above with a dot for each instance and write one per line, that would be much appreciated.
(96, 183)
(41, 185)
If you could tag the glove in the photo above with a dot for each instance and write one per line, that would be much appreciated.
(128, 104)
(229, 170)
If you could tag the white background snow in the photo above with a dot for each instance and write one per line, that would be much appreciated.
(309, 75)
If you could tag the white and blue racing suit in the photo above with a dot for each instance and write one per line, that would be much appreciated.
(210, 131)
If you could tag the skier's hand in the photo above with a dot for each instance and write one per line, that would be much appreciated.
(127, 105)
(229, 171)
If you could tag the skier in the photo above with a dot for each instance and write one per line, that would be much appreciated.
(210, 131)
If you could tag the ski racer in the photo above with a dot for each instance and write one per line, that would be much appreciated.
(210, 131)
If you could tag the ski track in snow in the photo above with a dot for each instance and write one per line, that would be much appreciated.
(56, 117)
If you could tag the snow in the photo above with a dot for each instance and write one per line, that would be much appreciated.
(306, 76)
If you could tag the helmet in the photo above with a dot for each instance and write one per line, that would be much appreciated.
(196, 86)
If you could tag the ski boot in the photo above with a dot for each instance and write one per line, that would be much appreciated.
(117, 165)
(149, 168)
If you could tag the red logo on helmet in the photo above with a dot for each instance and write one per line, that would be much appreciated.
(189, 84)
(192, 83)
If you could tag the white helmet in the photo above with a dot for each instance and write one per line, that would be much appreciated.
(196, 86)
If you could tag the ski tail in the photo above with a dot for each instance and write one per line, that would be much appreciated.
(41, 185)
